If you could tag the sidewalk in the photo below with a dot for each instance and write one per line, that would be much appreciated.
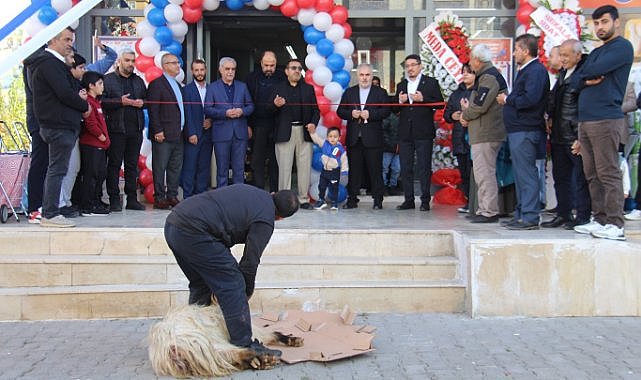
(408, 346)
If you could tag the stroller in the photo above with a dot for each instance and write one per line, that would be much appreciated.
(14, 167)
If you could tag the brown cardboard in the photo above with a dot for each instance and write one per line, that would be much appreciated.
(327, 336)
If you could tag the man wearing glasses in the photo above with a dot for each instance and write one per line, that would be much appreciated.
(166, 122)
(416, 129)
(296, 110)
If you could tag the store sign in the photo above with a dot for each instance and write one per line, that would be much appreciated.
(587, 4)
(442, 52)
(552, 26)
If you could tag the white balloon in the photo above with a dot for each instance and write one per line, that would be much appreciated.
(333, 91)
(322, 76)
(149, 46)
(349, 64)
(74, 24)
(534, 31)
(261, 5)
(276, 2)
(306, 16)
(145, 29)
(173, 13)
(145, 148)
(178, 29)
(321, 131)
(61, 6)
(158, 58)
(334, 106)
(179, 39)
(520, 30)
(33, 25)
(311, 49)
(181, 76)
(322, 21)
(534, 3)
(148, 161)
(148, 8)
(314, 60)
(177, 2)
(335, 33)
(211, 5)
(344, 47)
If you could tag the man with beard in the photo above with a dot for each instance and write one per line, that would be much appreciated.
(602, 81)
(122, 102)
(262, 122)
(196, 173)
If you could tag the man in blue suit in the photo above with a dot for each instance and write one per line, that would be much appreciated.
(229, 104)
(196, 173)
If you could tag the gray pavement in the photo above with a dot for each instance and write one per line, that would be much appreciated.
(408, 346)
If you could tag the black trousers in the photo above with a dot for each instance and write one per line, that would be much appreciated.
(570, 185)
(124, 147)
(423, 151)
(370, 159)
(465, 168)
(93, 169)
(329, 178)
(37, 171)
(263, 152)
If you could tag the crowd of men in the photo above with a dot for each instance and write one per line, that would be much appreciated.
(275, 111)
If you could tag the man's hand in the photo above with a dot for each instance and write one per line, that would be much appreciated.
(500, 98)
(83, 94)
(548, 126)
(356, 114)
(206, 124)
(159, 137)
(250, 132)
(576, 147)
(402, 97)
(193, 139)
(311, 128)
(595, 81)
(102, 138)
(365, 115)
(417, 96)
(464, 104)
(126, 101)
(97, 42)
(456, 115)
(279, 101)
(250, 283)
(464, 122)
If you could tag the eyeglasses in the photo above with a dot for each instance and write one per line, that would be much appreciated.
(295, 68)
(172, 63)
(407, 66)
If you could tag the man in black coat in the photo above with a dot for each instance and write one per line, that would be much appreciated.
(416, 129)
(122, 102)
(59, 108)
(294, 104)
(200, 232)
(364, 107)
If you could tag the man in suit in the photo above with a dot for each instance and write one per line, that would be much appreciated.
(523, 111)
(196, 172)
(361, 106)
(166, 122)
(262, 122)
(416, 129)
(229, 104)
(295, 107)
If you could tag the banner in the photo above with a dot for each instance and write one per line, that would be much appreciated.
(552, 26)
(442, 52)
(586, 4)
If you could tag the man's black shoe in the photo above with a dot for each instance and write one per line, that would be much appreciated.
(522, 226)
(306, 206)
(484, 219)
(425, 206)
(114, 205)
(554, 223)
(378, 205)
(350, 205)
(407, 205)
(575, 222)
(133, 204)
(260, 349)
(506, 223)
(69, 211)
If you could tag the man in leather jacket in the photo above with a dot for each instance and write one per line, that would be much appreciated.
(569, 181)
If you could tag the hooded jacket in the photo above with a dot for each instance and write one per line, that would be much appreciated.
(56, 102)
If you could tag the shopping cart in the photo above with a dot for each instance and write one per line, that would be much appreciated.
(14, 166)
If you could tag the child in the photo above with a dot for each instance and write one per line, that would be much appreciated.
(391, 158)
(334, 165)
(94, 141)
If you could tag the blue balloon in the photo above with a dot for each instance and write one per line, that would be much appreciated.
(342, 194)
(234, 5)
(317, 163)
(325, 47)
(341, 77)
(160, 3)
(313, 35)
(156, 17)
(334, 62)
(163, 35)
(303, 27)
(174, 47)
(47, 15)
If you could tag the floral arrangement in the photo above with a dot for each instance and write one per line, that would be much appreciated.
(456, 36)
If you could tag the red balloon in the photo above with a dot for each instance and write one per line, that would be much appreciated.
(275, 8)
(339, 14)
(305, 3)
(331, 119)
(324, 5)
(523, 14)
(348, 30)
(324, 104)
(143, 63)
(149, 192)
(289, 8)
(145, 177)
(318, 90)
(122, 173)
(142, 162)
(152, 73)
(193, 4)
(74, 2)
(308, 77)
(137, 47)
(191, 15)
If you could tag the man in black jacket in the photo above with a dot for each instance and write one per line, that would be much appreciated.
(570, 184)
(59, 109)
(122, 101)
(416, 129)
(364, 107)
(295, 107)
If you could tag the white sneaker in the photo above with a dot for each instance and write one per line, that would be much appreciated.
(58, 221)
(588, 228)
(610, 231)
(633, 215)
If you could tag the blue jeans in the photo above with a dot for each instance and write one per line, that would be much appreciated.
(391, 162)
(523, 149)
(61, 142)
